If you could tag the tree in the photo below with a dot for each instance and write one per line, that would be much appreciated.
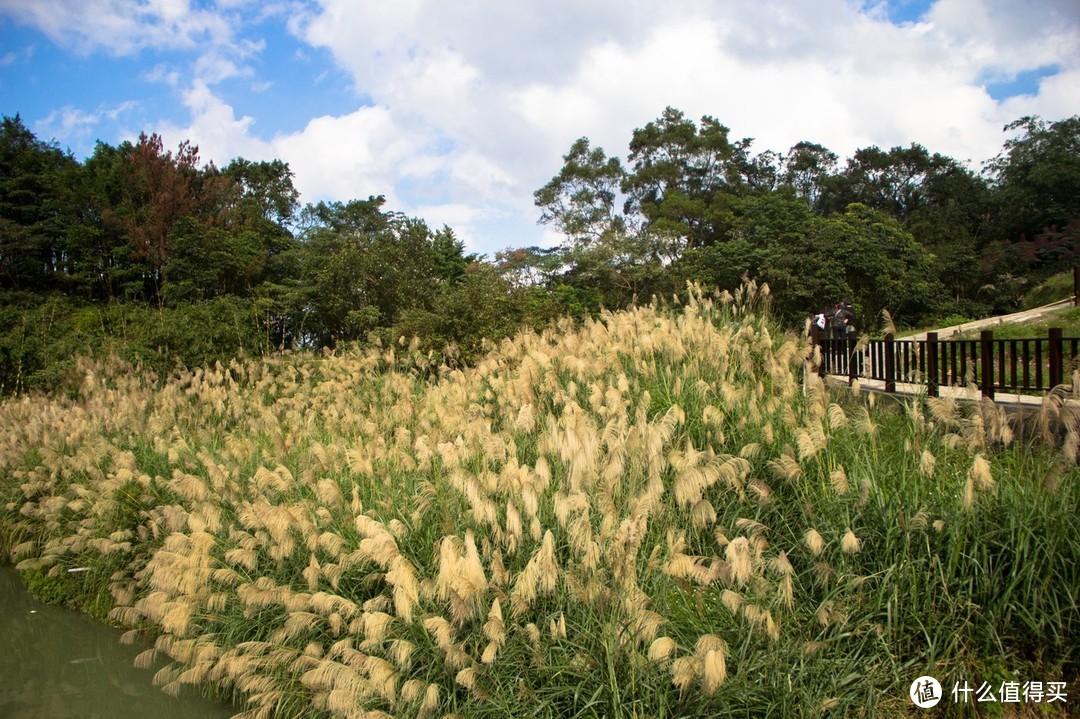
(449, 259)
(883, 265)
(162, 191)
(768, 230)
(759, 173)
(812, 261)
(35, 185)
(362, 268)
(580, 201)
(951, 221)
(259, 205)
(531, 266)
(335, 301)
(476, 309)
(206, 262)
(1037, 192)
(894, 182)
(807, 169)
(683, 179)
(266, 190)
(625, 269)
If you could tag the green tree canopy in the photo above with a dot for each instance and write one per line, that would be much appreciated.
(683, 178)
(35, 206)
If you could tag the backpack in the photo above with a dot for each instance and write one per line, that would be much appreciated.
(848, 317)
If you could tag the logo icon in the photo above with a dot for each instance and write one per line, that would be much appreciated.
(925, 692)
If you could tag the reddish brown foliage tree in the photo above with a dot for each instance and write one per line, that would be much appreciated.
(165, 183)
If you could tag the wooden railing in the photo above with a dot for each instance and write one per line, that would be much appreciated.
(1012, 365)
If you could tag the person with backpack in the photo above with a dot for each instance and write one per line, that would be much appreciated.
(850, 335)
(838, 322)
(849, 319)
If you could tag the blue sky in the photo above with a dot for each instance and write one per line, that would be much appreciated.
(457, 112)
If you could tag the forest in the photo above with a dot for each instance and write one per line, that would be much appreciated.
(151, 254)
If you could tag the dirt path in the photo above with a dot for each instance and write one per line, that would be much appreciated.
(989, 322)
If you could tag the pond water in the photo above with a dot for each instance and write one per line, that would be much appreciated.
(56, 663)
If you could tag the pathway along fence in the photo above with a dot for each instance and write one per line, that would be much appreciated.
(1012, 365)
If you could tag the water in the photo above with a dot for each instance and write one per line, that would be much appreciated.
(59, 664)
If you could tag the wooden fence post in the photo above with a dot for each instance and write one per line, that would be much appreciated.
(931, 364)
(852, 363)
(890, 362)
(986, 363)
(1056, 360)
(1076, 287)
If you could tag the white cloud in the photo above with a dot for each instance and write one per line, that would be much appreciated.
(119, 26)
(870, 88)
(461, 218)
(464, 109)
(1058, 97)
(451, 214)
(350, 157)
(213, 67)
(215, 129)
(164, 74)
(1004, 37)
(21, 56)
(75, 125)
(779, 71)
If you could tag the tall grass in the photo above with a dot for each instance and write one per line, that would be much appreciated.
(657, 513)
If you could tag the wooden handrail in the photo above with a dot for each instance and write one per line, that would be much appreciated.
(994, 364)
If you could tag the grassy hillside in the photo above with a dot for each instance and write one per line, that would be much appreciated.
(1054, 288)
(655, 514)
(1067, 319)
